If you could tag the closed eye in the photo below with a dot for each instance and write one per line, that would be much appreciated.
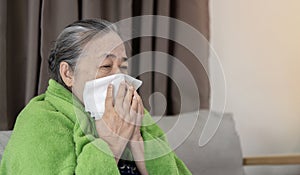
(106, 66)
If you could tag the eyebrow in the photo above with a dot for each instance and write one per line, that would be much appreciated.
(112, 55)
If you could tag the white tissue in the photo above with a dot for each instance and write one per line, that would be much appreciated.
(94, 92)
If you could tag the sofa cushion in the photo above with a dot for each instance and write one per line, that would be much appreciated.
(222, 155)
(4, 137)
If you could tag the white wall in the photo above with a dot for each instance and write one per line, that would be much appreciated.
(258, 43)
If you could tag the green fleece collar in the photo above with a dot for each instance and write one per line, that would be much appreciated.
(59, 91)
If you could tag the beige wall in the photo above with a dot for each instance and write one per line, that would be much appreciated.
(258, 43)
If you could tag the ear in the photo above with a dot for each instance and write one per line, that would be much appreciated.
(66, 73)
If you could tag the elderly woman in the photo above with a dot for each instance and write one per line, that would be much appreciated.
(55, 135)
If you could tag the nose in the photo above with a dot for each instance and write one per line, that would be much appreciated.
(116, 70)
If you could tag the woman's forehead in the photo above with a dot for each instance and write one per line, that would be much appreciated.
(113, 56)
(110, 43)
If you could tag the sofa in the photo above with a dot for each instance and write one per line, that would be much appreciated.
(221, 155)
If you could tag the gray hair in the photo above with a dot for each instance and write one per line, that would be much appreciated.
(70, 42)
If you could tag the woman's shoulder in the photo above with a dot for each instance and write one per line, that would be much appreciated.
(37, 108)
(39, 119)
(40, 130)
(38, 103)
(40, 114)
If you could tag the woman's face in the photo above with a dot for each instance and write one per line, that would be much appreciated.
(102, 56)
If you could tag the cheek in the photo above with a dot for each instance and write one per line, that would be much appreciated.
(102, 73)
(81, 76)
(86, 70)
(84, 75)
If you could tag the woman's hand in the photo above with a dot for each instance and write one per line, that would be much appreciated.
(136, 142)
(136, 136)
(117, 125)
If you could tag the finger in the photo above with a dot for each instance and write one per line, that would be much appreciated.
(109, 97)
(140, 101)
(128, 99)
(131, 118)
(142, 107)
(139, 115)
(134, 108)
(121, 94)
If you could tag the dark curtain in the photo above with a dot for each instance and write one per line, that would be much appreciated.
(28, 29)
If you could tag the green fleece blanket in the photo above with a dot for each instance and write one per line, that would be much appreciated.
(54, 135)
